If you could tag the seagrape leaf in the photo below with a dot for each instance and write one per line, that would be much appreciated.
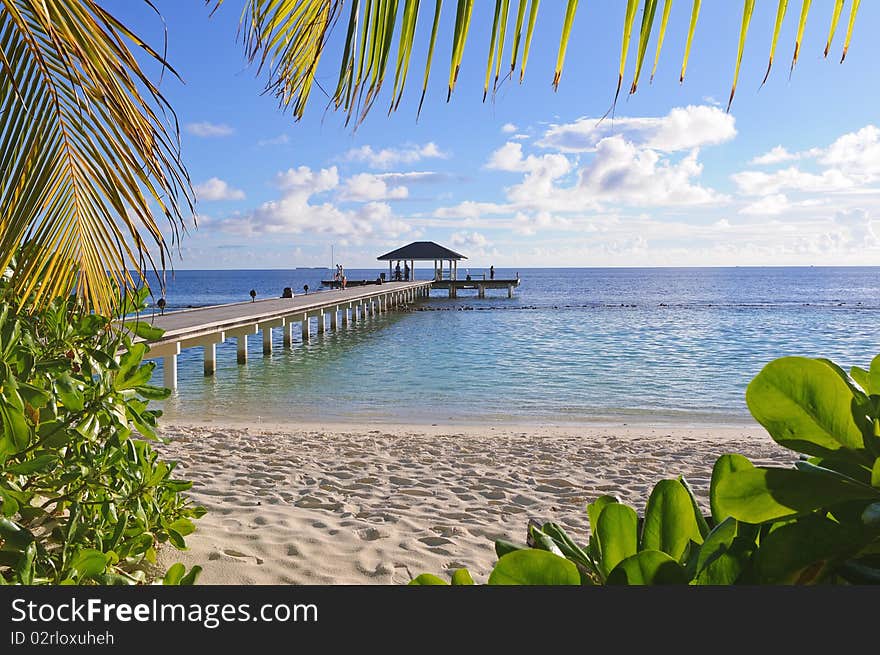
(648, 567)
(717, 563)
(617, 534)
(805, 406)
(724, 466)
(428, 580)
(89, 563)
(534, 567)
(669, 520)
(801, 552)
(760, 495)
(462, 577)
(174, 574)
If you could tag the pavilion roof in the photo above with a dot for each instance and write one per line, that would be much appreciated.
(421, 251)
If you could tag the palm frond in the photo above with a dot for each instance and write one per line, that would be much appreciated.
(835, 16)
(667, 6)
(533, 17)
(802, 24)
(695, 14)
(780, 16)
(570, 10)
(86, 160)
(644, 35)
(748, 8)
(849, 29)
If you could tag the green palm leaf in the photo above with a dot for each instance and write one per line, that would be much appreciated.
(748, 7)
(849, 29)
(780, 16)
(85, 155)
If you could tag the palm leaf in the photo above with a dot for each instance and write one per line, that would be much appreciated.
(462, 25)
(780, 15)
(748, 7)
(644, 35)
(667, 6)
(849, 29)
(533, 16)
(502, 32)
(437, 7)
(624, 47)
(835, 16)
(563, 40)
(85, 155)
(517, 34)
(695, 13)
(491, 55)
(802, 23)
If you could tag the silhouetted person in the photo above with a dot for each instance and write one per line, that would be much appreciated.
(161, 304)
(406, 272)
(287, 293)
(306, 288)
(253, 295)
(491, 272)
(397, 272)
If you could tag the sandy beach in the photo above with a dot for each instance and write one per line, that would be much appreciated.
(336, 504)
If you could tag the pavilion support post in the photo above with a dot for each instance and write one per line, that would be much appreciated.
(510, 291)
(210, 358)
(169, 371)
(481, 291)
(241, 348)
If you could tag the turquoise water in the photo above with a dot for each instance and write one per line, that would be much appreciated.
(572, 345)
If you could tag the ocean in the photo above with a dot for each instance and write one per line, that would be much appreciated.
(640, 345)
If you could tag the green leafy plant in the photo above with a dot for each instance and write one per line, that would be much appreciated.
(84, 498)
(818, 522)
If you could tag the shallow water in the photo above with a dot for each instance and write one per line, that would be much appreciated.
(571, 345)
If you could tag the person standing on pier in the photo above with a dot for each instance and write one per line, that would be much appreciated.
(492, 272)
(406, 271)
(397, 272)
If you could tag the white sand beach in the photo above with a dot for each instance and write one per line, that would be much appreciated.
(335, 504)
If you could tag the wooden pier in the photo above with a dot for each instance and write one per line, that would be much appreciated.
(454, 286)
(207, 326)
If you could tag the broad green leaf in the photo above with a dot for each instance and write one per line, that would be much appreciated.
(716, 563)
(462, 577)
(182, 527)
(534, 567)
(14, 536)
(543, 541)
(88, 563)
(144, 330)
(698, 513)
(190, 578)
(802, 552)
(502, 547)
(40, 463)
(428, 580)
(761, 495)
(617, 534)
(724, 466)
(174, 574)
(805, 406)
(69, 393)
(595, 508)
(669, 520)
(648, 567)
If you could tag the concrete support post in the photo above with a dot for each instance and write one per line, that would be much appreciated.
(169, 371)
(322, 322)
(305, 328)
(481, 291)
(345, 315)
(288, 336)
(241, 348)
(334, 319)
(510, 291)
(267, 341)
(210, 358)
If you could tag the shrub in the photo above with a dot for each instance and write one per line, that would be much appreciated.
(818, 522)
(84, 498)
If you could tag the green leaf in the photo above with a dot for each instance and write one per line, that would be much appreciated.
(182, 527)
(41, 463)
(174, 574)
(669, 520)
(14, 536)
(724, 466)
(16, 430)
(153, 393)
(89, 563)
(144, 330)
(805, 406)
(595, 508)
(617, 534)
(698, 513)
(802, 552)
(534, 567)
(428, 580)
(24, 569)
(502, 547)
(719, 562)
(190, 578)
(462, 578)
(69, 392)
(760, 495)
(648, 567)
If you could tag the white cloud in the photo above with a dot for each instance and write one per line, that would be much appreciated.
(856, 153)
(473, 240)
(792, 178)
(367, 186)
(767, 206)
(217, 189)
(683, 128)
(208, 130)
(388, 157)
(295, 212)
(775, 155)
(508, 128)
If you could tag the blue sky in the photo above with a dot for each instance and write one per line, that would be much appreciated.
(791, 176)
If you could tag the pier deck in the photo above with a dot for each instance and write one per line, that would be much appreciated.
(207, 326)
(480, 284)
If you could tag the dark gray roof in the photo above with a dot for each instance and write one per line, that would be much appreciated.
(422, 250)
